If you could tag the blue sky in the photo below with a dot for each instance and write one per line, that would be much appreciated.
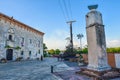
(47, 16)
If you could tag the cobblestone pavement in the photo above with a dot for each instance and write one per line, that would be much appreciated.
(41, 70)
(28, 70)
(70, 74)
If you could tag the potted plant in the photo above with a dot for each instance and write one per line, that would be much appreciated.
(38, 58)
(7, 46)
(17, 48)
(3, 60)
(19, 59)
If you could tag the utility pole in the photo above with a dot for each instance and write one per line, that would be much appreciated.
(80, 37)
(71, 35)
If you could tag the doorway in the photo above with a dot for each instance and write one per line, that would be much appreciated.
(9, 54)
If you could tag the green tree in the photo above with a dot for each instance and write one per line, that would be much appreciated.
(113, 50)
(118, 49)
(85, 50)
(52, 51)
(44, 50)
(57, 51)
(44, 47)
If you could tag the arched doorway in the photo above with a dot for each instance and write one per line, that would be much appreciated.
(9, 54)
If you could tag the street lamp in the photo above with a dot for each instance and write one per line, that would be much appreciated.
(80, 36)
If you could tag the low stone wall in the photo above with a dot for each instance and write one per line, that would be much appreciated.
(117, 60)
(85, 58)
(74, 59)
(113, 59)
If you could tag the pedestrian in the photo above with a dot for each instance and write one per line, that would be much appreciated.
(58, 57)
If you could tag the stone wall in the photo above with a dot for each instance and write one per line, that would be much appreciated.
(85, 58)
(117, 60)
(17, 34)
(113, 59)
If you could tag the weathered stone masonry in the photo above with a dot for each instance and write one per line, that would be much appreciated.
(97, 56)
(15, 35)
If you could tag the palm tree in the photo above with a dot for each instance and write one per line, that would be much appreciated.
(80, 36)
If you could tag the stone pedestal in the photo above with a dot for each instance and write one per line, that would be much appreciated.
(100, 75)
(97, 56)
(98, 67)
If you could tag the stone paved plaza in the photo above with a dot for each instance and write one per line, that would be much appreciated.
(28, 70)
(40, 70)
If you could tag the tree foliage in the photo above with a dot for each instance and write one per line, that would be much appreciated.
(17, 48)
(69, 53)
(108, 50)
(113, 50)
(85, 50)
(44, 48)
(54, 52)
(51, 51)
(57, 51)
(8, 46)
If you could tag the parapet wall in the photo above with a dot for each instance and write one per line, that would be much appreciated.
(113, 59)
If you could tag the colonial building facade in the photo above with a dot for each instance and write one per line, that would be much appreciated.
(19, 40)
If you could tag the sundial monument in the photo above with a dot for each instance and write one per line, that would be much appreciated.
(97, 56)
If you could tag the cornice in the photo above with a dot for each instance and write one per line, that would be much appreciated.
(20, 24)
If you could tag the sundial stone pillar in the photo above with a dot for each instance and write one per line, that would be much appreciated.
(97, 56)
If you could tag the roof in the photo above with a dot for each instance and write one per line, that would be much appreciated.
(14, 21)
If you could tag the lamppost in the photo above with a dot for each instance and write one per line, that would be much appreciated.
(80, 36)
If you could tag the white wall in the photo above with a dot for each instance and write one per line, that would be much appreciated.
(117, 60)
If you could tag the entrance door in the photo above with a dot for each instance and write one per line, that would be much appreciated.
(9, 54)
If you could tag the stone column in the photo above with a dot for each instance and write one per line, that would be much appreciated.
(97, 56)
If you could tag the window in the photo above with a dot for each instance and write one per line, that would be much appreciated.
(29, 53)
(39, 51)
(10, 37)
(22, 53)
(87, 16)
(36, 54)
(38, 43)
(22, 41)
(30, 40)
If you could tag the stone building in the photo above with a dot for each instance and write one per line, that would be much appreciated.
(19, 40)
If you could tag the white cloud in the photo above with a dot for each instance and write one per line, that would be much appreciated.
(77, 42)
(113, 43)
(56, 39)
(54, 43)
(109, 43)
